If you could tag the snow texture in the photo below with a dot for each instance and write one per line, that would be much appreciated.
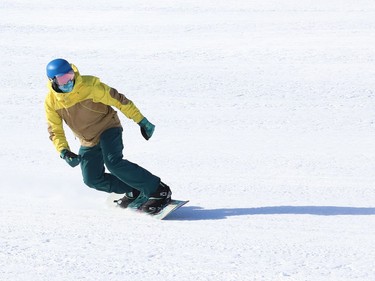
(264, 114)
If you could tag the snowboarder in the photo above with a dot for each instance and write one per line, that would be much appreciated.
(85, 104)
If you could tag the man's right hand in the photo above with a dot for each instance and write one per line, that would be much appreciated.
(71, 158)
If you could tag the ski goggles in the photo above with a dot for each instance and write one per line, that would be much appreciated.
(64, 78)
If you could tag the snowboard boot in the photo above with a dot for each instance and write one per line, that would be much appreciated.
(158, 200)
(128, 198)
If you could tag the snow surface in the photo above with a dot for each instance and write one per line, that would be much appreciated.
(264, 114)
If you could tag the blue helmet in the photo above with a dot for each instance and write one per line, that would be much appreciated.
(57, 67)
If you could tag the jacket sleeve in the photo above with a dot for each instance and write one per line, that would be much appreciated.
(55, 127)
(112, 97)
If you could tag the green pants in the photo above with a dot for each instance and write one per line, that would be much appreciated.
(124, 175)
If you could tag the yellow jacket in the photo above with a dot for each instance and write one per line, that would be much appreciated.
(87, 110)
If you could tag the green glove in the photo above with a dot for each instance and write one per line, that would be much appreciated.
(147, 128)
(71, 158)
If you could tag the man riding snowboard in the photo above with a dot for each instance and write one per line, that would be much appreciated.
(85, 105)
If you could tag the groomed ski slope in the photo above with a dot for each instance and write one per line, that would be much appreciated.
(264, 114)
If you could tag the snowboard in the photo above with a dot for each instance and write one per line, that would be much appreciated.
(165, 212)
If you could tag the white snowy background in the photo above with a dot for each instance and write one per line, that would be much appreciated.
(264, 114)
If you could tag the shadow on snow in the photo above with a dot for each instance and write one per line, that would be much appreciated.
(199, 213)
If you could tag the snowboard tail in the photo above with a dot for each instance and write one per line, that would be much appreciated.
(170, 208)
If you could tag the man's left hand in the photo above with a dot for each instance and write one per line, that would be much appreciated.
(147, 128)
